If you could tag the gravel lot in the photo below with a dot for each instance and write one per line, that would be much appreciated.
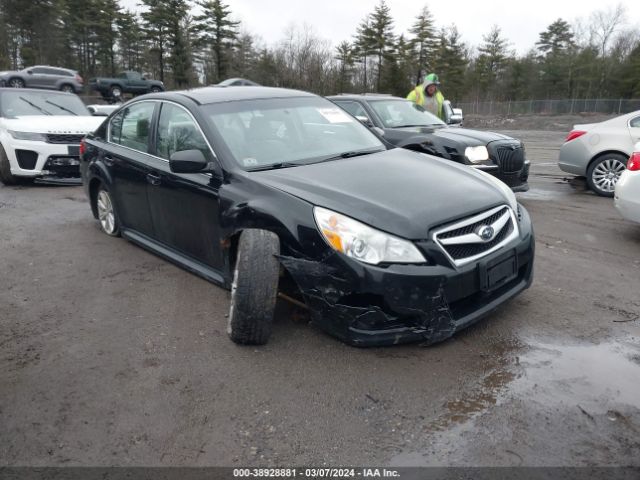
(111, 356)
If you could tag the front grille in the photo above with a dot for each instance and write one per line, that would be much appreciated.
(27, 159)
(472, 227)
(461, 240)
(466, 250)
(64, 138)
(510, 159)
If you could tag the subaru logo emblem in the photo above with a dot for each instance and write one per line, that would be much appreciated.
(485, 232)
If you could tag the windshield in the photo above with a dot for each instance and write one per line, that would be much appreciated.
(24, 103)
(293, 131)
(403, 113)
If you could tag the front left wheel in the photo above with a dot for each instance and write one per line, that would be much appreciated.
(107, 217)
(254, 288)
(6, 176)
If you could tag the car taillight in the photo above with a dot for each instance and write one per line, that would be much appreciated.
(83, 148)
(634, 162)
(573, 134)
(79, 79)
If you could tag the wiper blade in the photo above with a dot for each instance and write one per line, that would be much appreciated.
(274, 166)
(355, 153)
(35, 106)
(416, 125)
(61, 107)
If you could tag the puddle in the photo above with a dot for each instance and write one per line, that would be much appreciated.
(541, 403)
(592, 376)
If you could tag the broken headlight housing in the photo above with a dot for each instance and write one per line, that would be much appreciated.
(366, 244)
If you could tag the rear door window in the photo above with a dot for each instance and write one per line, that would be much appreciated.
(130, 128)
(354, 108)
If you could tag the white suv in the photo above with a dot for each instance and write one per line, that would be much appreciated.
(40, 133)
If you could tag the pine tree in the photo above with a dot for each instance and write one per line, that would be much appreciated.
(492, 60)
(424, 42)
(217, 34)
(363, 47)
(344, 55)
(382, 37)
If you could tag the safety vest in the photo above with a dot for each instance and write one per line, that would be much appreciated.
(417, 96)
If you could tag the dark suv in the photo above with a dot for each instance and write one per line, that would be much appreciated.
(258, 189)
(407, 125)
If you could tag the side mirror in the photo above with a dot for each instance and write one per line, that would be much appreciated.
(364, 120)
(378, 130)
(192, 161)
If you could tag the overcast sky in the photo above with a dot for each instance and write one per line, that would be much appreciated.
(336, 20)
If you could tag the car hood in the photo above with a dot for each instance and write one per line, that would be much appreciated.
(397, 191)
(464, 136)
(54, 124)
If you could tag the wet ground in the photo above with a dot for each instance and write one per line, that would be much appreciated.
(112, 356)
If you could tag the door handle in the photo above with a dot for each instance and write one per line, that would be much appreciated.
(153, 179)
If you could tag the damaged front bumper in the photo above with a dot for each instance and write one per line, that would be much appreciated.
(367, 305)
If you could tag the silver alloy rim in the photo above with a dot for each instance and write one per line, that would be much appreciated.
(67, 89)
(234, 286)
(116, 92)
(16, 83)
(606, 174)
(105, 213)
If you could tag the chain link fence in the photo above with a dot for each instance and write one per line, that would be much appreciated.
(552, 107)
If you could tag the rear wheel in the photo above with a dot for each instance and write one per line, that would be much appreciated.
(6, 176)
(106, 212)
(254, 288)
(604, 172)
(67, 88)
(16, 83)
(155, 89)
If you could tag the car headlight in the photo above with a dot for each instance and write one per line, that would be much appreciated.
(476, 154)
(366, 244)
(36, 137)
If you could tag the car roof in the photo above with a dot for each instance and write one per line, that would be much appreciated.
(35, 90)
(50, 66)
(219, 94)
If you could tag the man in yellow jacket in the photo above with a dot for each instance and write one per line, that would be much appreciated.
(428, 96)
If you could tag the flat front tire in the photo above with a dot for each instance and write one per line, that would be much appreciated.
(604, 172)
(254, 288)
(107, 217)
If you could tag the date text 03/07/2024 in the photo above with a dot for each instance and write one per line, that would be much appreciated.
(315, 473)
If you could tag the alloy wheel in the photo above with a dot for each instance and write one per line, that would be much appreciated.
(106, 215)
(606, 174)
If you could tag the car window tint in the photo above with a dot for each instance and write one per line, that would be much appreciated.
(132, 129)
(178, 132)
(354, 108)
(51, 71)
(122, 75)
(39, 71)
(635, 123)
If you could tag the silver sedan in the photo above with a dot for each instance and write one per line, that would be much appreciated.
(599, 151)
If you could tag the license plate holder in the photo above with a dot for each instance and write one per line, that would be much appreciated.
(73, 150)
(498, 272)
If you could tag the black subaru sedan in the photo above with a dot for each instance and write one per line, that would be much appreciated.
(407, 125)
(262, 190)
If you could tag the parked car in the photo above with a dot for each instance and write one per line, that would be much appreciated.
(40, 134)
(409, 126)
(259, 188)
(102, 110)
(126, 82)
(44, 76)
(600, 151)
(238, 82)
(627, 191)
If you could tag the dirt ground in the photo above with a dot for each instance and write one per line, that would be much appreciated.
(110, 355)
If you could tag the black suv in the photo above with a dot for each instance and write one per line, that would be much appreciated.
(407, 125)
(259, 188)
